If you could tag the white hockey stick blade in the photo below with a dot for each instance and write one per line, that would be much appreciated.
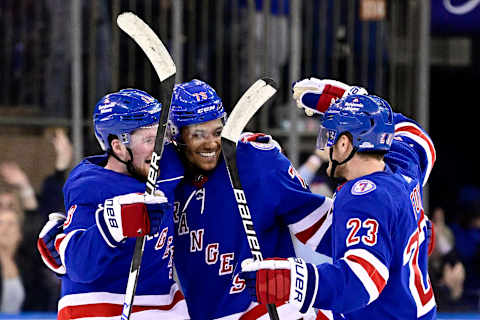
(252, 100)
(153, 47)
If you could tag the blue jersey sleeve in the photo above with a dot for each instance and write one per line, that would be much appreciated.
(295, 205)
(412, 149)
(86, 190)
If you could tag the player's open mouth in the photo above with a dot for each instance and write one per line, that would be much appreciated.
(208, 154)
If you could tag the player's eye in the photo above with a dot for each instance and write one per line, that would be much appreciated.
(218, 132)
(149, 140)
(197, 135)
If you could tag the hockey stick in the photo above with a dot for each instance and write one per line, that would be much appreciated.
(252, 100)
(165, 68)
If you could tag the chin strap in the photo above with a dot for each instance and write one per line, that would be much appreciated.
(335, 163)
(129, 165)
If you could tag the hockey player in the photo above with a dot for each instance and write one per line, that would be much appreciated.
(380, 237)
(210, 241)
(107, 210)
(209, 237)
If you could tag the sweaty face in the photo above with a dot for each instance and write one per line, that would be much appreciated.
(202, 144)
(142, 142)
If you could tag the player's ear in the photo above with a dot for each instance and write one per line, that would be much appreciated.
(117, 147)
(344, 143)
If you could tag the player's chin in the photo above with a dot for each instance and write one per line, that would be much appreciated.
(207, 163)
(143, 170)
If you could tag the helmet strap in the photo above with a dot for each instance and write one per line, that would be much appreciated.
(335, 163)
(128, 164)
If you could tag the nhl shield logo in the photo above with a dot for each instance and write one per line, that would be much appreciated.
(362, 187)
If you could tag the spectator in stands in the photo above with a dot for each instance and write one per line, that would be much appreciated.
(9, 198)
(51, 195)
(13, 175)
(444, 239)
(18, 194)
(12, 289)
(448, 284)
(447, 272)
(467, 244)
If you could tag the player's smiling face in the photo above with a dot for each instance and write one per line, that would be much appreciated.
(142, 144)
(202, 143)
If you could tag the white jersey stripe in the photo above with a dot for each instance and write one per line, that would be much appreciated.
(372, 279)
(64, 244)
(116, 298)
(314, 236)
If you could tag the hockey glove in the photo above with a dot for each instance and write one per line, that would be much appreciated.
(260, 138)
(130, 215)
(279, 280)
(48, 242)
(314, 96)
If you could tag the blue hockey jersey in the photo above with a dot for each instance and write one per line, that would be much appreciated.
(210, 240)
(379, 238)
(97, 274)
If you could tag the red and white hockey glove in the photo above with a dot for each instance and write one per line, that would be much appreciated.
(280, 280)
(262, 138)
(48, 241)
(314, 96)
(130, 215)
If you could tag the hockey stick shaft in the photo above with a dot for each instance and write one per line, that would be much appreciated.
(252, 100)
(164, 66)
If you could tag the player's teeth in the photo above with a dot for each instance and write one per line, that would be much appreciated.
(207, 154)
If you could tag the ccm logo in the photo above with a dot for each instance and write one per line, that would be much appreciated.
(206, 109)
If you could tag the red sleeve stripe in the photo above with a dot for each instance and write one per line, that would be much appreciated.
(412, 131)
(324, 315)
(305, 235)
(311, 229)
(372, 273)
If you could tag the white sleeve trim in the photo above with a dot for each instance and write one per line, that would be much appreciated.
(310, 220)
(425, 142)
(63, 245)
(372, 273)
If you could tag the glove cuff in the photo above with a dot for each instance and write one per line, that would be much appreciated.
(303, 284)
(112, 236)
